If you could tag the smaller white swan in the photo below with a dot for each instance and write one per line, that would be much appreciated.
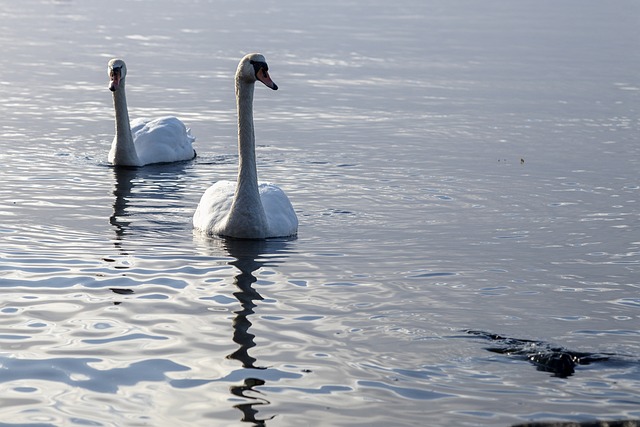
(246, 209)
(143, 141)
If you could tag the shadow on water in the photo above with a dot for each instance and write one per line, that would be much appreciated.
(248, 257)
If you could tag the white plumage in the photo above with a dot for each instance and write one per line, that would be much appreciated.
(246, 209)
(144, 141)
(212, 214)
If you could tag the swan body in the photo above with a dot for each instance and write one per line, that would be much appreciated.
(144, 141)
(246, 209)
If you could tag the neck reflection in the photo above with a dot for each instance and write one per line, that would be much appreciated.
(123, 185)
(153, 191)
(246, 296)
(249, 411)
(249, 256)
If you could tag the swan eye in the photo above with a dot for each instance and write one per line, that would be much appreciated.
(257, 66)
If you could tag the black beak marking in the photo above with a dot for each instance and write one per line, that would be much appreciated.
(257, 65)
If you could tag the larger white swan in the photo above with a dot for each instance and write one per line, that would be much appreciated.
(143, 141)
(246, 209)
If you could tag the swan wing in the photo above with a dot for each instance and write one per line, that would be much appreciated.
(162, 140)
(281, 218)
(213, 210)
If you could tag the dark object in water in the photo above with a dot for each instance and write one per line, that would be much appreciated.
(618, 423)
(121, 291)
(560, 361)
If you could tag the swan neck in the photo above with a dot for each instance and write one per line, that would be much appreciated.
(125, 151)
(246, 218)
(247, 171)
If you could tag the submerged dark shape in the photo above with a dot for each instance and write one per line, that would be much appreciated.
(617, 423)
(121, 291)
(546, 357)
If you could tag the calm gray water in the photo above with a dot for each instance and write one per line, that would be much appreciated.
(454, 165)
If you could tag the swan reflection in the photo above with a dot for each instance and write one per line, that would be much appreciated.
(248, 257)
(156, 187)
(154, 192)
(123, 184)
(248, 411)
(246, 254)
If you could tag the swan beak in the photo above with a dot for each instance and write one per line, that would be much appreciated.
(263, 76)
(114, 79)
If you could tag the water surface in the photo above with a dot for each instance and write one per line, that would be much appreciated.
(454, 166)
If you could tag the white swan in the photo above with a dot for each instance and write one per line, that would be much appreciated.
(144, 141)
(246, 209)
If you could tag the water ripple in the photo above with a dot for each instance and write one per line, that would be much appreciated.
(433, 195)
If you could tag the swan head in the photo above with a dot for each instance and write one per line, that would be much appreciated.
(117, 71)
(253, 67)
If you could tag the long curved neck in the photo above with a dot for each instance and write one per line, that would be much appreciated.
(125, 150)
(247, 169)
(246, 206)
